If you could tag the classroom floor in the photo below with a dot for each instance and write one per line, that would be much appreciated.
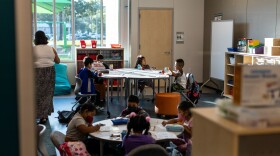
(65, 102)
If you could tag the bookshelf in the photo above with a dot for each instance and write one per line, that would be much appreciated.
(113, 56)
(234, 58)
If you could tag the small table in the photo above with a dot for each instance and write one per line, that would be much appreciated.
(157, 131)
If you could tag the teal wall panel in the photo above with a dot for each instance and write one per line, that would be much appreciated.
(9, 110)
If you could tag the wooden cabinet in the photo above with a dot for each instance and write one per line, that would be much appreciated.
(214, 135)
(234, 58)
(113, 56)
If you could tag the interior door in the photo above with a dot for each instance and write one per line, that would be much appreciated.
(156, 36)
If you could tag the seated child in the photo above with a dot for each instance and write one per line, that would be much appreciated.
(133, 106)
(180, 78)
(99, 59)
(183, 142)
(81, 125)
(135, 136)
(99, 81)
(141, 62)
(87, 77)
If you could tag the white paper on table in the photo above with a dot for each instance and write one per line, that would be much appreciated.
(105, 128)
(158, 128)
(165, 135)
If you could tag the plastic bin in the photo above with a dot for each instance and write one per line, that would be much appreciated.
(231, 60)
(83, 43)
(116, 45)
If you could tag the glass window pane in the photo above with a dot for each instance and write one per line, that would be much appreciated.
(44, 13)
(87, 21)
(111, 22)
(63, 30)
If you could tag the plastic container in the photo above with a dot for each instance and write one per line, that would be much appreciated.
(83, 43)
(231, 60)
(93, 43)
(232, 49)
(116, 45)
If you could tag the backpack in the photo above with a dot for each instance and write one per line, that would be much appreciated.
(193, 88)
(65, 116)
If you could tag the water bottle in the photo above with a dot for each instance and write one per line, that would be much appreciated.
(139, 67)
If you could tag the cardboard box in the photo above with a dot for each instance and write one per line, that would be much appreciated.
(256, 85)
(271, 42)
(272, 51)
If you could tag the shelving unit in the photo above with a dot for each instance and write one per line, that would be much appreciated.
(113, 56)
(243, 58)
(218, 136)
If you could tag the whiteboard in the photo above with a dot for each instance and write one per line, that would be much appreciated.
(221, 39)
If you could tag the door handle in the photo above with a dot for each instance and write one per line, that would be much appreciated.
(167, 52)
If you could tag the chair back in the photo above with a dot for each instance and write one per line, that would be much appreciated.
(148, 150)
(41, 145)
(57, 138)
(78, 85)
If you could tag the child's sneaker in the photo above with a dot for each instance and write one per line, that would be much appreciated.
(101, 108)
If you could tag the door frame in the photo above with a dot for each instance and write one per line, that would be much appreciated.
(172, 31)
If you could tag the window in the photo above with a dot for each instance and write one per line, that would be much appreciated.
(94, 20)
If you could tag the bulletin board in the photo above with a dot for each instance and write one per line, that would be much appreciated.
(221, 39)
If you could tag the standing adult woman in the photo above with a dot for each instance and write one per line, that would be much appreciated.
(44, 58)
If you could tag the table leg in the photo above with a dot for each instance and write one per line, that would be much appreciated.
(121, 90)
(118, 89)
(158, 85)
(165, 90)
(107, 101)
(101, 148)
(170, 77)
(153, 87)
(135, 86)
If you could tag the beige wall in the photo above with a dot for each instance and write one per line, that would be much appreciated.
(255, 19)
(188, 18)
(25, 80)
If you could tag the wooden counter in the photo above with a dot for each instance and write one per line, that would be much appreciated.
(214, 135)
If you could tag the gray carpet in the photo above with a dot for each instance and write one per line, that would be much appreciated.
(48, 143)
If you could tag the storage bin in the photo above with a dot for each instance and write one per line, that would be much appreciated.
(231, 60)
(232, 49)
(116, 45)
(83, 43)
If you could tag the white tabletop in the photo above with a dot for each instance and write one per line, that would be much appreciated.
(158, 132)
(135, 74)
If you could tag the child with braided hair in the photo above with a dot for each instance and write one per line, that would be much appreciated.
(137, 132)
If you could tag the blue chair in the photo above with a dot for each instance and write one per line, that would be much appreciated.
(62, 85)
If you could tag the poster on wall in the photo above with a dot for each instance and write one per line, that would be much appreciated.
(179, 37)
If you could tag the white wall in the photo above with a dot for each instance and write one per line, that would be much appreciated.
(188, 18)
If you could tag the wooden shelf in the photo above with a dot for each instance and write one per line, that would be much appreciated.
(113, 56)
(239, 58)
(231, 138)
(230, 65)
(228, 84)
